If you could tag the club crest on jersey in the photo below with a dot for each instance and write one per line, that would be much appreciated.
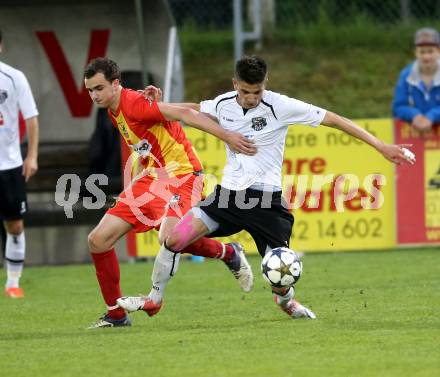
(258, 123)
(143, 148)
(3, 96)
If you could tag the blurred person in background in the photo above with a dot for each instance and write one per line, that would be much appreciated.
(417, 93)
(15, 96)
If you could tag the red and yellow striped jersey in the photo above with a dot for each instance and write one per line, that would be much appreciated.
(160, 143)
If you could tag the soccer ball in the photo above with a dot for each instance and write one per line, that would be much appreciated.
(281, 267)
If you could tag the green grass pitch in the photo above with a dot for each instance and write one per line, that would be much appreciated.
(378, 315)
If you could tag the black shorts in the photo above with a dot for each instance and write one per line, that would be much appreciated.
(13, 203)
(262, 214)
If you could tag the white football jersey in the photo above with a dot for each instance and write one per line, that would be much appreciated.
(15, 96)
(267, 125)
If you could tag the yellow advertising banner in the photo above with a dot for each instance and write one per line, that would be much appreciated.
(432, 192)
(340, 190)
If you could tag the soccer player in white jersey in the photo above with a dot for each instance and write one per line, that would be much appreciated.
(15, 96)
(249, 197)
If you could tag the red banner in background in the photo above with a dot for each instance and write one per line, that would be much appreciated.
(418, 187)
(78, 100)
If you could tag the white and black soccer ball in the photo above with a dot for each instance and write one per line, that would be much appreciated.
(281, 267)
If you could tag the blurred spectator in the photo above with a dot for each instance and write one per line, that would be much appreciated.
(417, 93)
(15, 96)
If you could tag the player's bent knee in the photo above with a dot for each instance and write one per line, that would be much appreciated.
(14, 227)
(91, 241)
(174, 242)
(162, 239)
(96, 243)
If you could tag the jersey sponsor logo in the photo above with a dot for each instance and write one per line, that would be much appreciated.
(259, 123)
(2, 121)
(3, 96)
(123, 129)
(227, 119)
(143, 148)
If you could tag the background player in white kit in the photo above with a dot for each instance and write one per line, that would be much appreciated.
(249, 197)
(15, 96)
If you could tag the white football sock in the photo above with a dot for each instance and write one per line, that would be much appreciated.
(283, 300)
(15, 253)
(165, 266)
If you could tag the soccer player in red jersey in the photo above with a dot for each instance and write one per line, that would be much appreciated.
(169, 185)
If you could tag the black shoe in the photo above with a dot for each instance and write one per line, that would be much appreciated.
(107, 321)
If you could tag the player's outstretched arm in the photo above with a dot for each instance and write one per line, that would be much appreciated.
(236, 141)
(30, 163)
(394, 153)
(153, 93)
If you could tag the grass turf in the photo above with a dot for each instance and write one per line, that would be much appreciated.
(378, 315)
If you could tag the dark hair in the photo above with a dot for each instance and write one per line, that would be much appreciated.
(251, 69)
(107, 67)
